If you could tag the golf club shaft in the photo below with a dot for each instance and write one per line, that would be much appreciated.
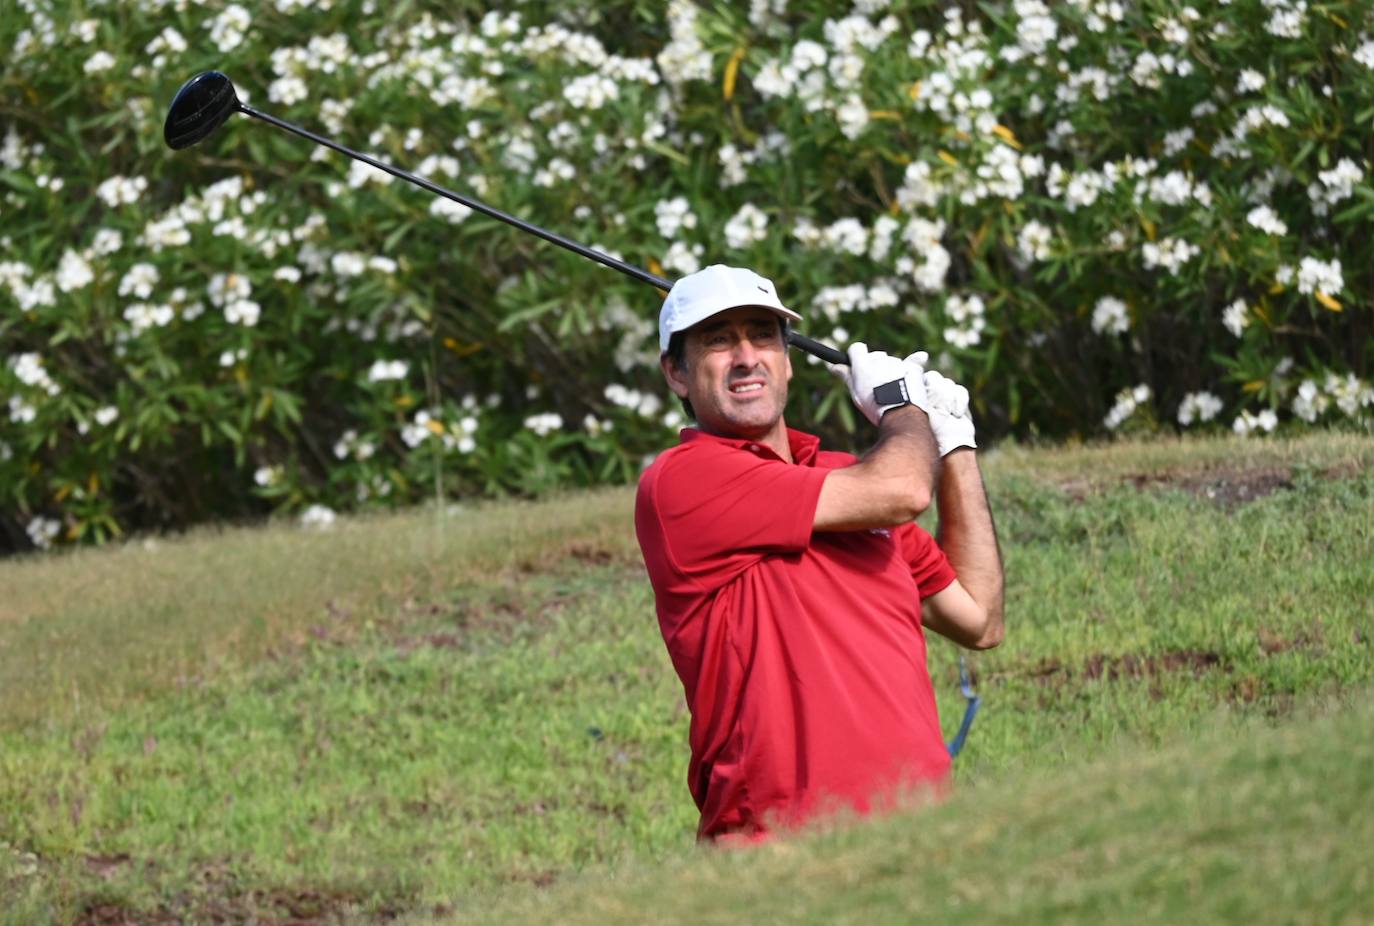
(823, 351)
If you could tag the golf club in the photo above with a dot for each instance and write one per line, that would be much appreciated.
(207, 100)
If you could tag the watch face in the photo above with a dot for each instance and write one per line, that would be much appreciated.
(893, 393)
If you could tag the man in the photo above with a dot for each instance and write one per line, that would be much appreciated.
(791, 583)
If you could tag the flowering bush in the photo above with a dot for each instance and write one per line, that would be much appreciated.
(1098, 215)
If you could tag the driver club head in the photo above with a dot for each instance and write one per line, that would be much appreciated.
(200, 106)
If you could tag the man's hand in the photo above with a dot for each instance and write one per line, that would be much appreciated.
(878, 381)
(950, 417)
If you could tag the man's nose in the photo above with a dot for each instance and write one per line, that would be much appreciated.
(745, 354)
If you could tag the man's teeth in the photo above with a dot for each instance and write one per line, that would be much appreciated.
(747, 387)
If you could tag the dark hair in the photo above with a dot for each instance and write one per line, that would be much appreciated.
(677, 356)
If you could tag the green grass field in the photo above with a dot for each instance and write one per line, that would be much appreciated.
(469, 715)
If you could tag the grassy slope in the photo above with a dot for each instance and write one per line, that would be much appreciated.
(1248, 825)
(394, 714)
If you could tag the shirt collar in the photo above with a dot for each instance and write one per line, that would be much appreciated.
(804, 446)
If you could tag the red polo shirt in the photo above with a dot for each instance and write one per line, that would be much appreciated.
(801, 654)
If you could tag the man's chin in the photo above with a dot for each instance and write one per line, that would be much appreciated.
(748, 427)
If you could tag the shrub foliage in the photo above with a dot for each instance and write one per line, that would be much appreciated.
(1097, 214)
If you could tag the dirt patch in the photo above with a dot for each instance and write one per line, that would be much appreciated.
(1053, 673)
(1195, 662)
(106, 914)
(1226, 488)
(276, 907)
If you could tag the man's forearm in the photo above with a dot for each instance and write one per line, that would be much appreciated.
(906, 449)
(968, 536)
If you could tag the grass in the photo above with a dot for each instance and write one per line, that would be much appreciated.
(1248, 824)
(451, 712)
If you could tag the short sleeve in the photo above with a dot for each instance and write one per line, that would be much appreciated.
(721, 509)
(929, 566)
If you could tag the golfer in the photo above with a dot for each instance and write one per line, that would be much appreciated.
(791, 582)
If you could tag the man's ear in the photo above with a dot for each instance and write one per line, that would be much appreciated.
(675, 375)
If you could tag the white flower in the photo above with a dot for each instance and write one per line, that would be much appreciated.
(73, 272)
(227, 29)
(167, 232)
(1169, 253)
(732, 164)
(318, 517)
(967, 314)
(684, 258)
(1320, 276)
(119, 190)
(1236, 317)
(43, 531)
(230, 357)
(746, 227)
(106, 241)
(1286, 21)
(1127, 401)
(1033, 241)
(106, 416)
(1309, 403)
(545, 423)
(1177, 140)
(1365, 54)
(267, 475)
(347, 264)
(918, 187)
(228, 287)
(139, 281)
(852, 115)
(1173, 189)
(453, 212)
(98, 62)
(1247, 423)
(424, 426)
(1351, 393)
(1265, 219)
(1250, 81)
(141, 316)
(671, 215)
(1109, 316)
(1083, 189)
(287, 90)
(558, 170)
(287, 274)
(685, 57)
(1339, 182)
(29, 370)
(21, 412)
(461, 438)
(1198, 406)
(360, 173)
(591, 91)
(242, 312)
(846, 236)
(385, 370)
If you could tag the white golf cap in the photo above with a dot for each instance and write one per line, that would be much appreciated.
(698, 296)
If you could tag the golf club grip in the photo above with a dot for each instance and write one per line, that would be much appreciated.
(817, 349)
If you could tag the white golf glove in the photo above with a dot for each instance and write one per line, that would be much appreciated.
(950, 417)
(878, 381)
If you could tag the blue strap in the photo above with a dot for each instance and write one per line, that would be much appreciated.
(972, 702)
